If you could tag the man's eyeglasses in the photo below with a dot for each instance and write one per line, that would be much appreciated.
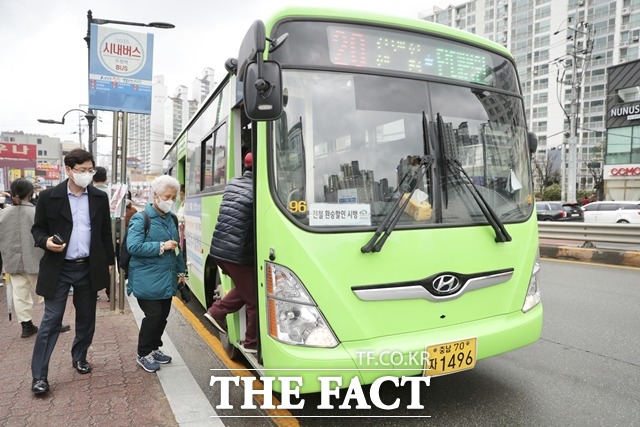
(91, 171)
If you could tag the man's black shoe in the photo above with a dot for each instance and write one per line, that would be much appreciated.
(39, 386)
(82, 366)
(65, 328)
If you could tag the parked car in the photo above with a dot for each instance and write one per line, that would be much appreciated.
(612, 212)
(558, 211)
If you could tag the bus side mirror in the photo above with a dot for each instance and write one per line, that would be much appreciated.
(532, 139)
(263, 90)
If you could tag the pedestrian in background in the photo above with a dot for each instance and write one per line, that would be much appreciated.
(37, 189)
(100, 180)
(131, 210)
(4, 196)
(232, 248)
(156, 269)
(21, 257)
(73, 225)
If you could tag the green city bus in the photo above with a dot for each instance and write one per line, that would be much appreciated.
(393, 196)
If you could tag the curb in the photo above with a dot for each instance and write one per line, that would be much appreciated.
(188, 402)
(595, 255)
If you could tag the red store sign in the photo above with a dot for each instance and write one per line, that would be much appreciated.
(17, 151)
(628, 171)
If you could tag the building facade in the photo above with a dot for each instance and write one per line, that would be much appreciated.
(36, 157)
(149, 135)
(203, 85)
(146, 132)
(621, 170)
(562, 49)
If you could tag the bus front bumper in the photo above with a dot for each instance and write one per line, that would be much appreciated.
(396, 355)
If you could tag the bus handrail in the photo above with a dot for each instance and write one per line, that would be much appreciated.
(590, 232)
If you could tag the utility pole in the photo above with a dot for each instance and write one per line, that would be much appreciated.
(576, 87)
(572, 159)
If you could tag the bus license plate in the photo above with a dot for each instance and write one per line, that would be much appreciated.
(450, 357)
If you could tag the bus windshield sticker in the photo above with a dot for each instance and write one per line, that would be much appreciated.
(329, 214)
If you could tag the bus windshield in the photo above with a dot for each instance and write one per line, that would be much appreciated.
(348, 145)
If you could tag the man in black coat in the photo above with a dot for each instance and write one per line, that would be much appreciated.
(73, 225)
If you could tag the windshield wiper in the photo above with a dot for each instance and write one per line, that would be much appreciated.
(455, 166)
(435, 188)
(502, 235)
(442, 160)
(393, 216)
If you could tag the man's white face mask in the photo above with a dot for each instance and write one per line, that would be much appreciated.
(82, 179)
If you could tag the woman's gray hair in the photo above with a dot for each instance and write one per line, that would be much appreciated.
(163, 183)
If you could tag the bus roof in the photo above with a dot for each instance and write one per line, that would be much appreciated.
(387, 20)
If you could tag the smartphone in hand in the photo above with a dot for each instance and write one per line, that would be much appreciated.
(57, 239)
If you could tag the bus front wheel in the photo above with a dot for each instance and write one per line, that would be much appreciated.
(211, 282)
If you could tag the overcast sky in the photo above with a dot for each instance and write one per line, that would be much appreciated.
(43, 58)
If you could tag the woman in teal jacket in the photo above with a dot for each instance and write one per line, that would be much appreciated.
(155, 269)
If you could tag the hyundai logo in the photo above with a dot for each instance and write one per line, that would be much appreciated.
(446, 284)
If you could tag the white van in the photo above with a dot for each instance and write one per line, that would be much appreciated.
(612, 212)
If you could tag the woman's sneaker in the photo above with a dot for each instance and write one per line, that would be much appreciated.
(160, 357)
(148, 363)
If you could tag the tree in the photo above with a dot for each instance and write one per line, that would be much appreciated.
(595, 168)
(545, 171)
(552, 192)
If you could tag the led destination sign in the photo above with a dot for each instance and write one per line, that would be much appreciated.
(377, 49)
(402, 52)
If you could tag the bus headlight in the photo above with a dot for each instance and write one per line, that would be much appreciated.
(294, 318)
(533, 292)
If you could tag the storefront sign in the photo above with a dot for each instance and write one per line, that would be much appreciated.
(632, 111)
(17, 151)
(631, 171)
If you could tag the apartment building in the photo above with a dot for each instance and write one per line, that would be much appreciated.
(150, 134)
(546, 37)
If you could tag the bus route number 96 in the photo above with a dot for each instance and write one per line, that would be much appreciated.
(297, 206)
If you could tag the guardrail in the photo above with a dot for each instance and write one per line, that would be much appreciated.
(590, 232)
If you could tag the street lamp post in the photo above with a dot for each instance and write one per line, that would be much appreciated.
(87, 115)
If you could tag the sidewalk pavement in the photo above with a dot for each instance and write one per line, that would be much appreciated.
(117, 392)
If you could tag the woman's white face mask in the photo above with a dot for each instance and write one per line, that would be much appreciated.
(165, 200)
(165, 205)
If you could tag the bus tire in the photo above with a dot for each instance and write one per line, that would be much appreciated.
(212, 287)
(231, 350)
